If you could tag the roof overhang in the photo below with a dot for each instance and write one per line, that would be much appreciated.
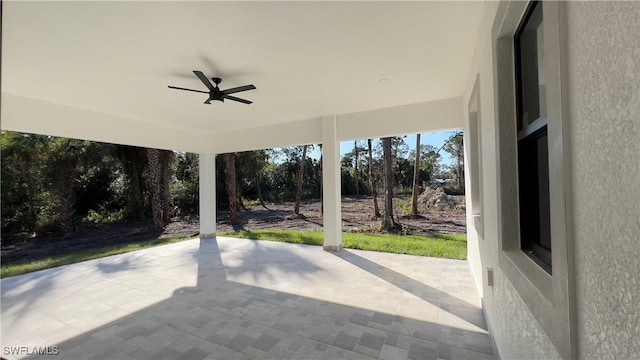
(100, 70)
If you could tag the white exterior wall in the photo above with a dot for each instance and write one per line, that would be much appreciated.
(515, 331)
(603, 76)
(601, 112)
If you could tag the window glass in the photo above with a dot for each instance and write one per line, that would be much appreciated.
(533, 152)
(530, 45)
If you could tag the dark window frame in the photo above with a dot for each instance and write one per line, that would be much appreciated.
(533, 213)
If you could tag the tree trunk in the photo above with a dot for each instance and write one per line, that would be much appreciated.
(136, 204)
(300, 179)
(321, 185)
(388, 224)
(65, 203)
(133, 162)
(166, 157)
(231, 187)
(416, 178)
(256, 180)
(155, 182)
(372, 184)
(355, 152)
(460, 170)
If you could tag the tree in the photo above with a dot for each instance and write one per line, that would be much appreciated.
(166, 157)
(185, 185)
(133, 162)
(416, 178)
(300, 180)
(321, 184)
(259, 158)
(48, 181)
(155, 182)
(429, 161)
(355, 166)
(63, 163)
(455, 147)
(372, 183)
(388, 224)
(402, 168)
(21, 181)
(231, 186)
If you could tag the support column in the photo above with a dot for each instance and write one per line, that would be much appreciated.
(207, 166)
(332, 219)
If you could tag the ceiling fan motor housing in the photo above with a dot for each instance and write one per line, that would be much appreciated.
(216, 94)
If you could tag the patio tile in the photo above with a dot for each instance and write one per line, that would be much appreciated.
(360, 318)
(223, 353)
(239, 342)
(345, 341)
(372, 341)
(194, 353)
(367, 351)
(241, 299)
(392, 353)
(265, 342)
(419, 352)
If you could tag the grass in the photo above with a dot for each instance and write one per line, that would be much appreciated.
(443, 246)
(83, 255)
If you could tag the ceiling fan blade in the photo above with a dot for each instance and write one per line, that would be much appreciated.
(237, 99)
(179, 88)
(238, 89)
(204, 79)
(208, 102)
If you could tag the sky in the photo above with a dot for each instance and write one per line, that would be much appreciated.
(434, 139)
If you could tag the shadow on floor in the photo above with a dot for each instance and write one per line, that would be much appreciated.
(441, 299)
(221, 319)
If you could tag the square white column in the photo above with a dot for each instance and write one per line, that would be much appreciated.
(207, 168)
(331, 188)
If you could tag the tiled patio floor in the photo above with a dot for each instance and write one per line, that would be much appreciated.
(242, 299)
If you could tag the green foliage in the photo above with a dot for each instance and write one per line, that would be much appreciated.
(251, 202)
(286, 236)
(20, 181)
(184, 188)
(443, 246)
(8, 270)
(55, 184)
(104, 216)
(348, 171)
(430, 167)
(50, 183)
(455, 147)
(403, 207)
(278, 179)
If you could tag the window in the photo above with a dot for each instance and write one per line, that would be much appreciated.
(533, 158)
(475, 155)
(534, 202)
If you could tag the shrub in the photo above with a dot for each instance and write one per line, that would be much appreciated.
(104, 216)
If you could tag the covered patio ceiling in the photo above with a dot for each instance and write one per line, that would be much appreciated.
(100, 70)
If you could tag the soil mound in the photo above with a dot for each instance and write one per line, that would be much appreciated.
(437, 199)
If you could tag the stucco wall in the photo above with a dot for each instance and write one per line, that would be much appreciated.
(602, 100)
(515, 331)
(604, 104)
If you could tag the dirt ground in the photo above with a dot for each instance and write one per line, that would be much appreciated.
(356, 216)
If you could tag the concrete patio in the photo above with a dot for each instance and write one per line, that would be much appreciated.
(242, 299)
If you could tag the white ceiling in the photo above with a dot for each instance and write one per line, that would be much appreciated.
(307, 59)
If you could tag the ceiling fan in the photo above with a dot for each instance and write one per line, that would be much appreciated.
(214, 92)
